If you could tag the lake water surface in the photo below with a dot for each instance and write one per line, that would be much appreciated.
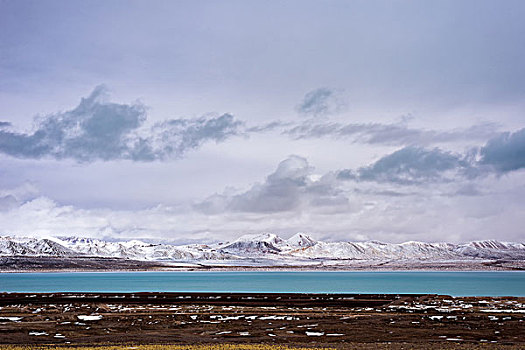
(501, 283)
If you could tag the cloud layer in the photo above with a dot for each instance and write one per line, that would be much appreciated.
(328, 81)
(395, 197)
(388, 134)
(100, 130)
(350, 213)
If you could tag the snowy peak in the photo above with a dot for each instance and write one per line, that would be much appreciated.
(268, 243)
(265, 243)
(261, 237)
(301, 240)
(50, 247)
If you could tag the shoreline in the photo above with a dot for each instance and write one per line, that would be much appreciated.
(254, 270)
(263, 269)
(24, 264)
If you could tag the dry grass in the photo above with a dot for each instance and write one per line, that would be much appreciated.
(163, 347)
(348, 346)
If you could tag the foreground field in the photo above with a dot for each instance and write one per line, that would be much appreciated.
(352, 346)
(165, 347)
(236, 321)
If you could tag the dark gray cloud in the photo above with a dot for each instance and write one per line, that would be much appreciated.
(4, 124)
(415, 165)
(409, 165)
(174, 137)
(321, 102)
(289, 188)
(506, 152)
(389, 134)
(99, 130)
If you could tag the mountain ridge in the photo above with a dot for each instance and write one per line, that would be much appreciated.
(264, 246)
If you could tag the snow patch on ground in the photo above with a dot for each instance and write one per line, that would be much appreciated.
(89, 317)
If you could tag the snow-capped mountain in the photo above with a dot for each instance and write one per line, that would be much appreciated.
(379, 251)
(88, 247)
(268, 243)
(301, 240)
(15, 246)
(300, 247)
(255, 245)
(493, 250)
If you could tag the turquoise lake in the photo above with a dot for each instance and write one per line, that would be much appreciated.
(501, 283)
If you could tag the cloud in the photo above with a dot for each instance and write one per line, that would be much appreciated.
(322, 102)
(99, 130)
(4, 124)
(416, 165)
(389, 134)
(506, 152)
(324, 205)
(425, 215)
(175, 137)
(293, 187)
(13, 197)
(267, 127)
(8, 202)
(281, 191)
(468, 189)
(290, 187)
(409, 165)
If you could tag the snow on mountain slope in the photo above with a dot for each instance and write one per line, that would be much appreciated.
(492, 250)
(265, 243)
(146, 251)
(380, 251)
(74, 246)
(10, 246)
(261, 247)
(268, 243)
(301, 240)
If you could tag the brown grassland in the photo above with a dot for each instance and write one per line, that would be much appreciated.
(354, 346)
(264, 321)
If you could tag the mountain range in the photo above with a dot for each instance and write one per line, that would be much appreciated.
(298, 249)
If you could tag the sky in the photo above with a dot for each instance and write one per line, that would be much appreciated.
(200, 121)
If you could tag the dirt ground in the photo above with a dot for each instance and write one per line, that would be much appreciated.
(342, 321)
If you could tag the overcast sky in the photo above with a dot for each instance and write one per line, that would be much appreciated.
(204, 120)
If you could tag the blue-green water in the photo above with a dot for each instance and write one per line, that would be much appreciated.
(451, 283)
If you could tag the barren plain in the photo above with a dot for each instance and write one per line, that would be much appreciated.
(339, 321)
